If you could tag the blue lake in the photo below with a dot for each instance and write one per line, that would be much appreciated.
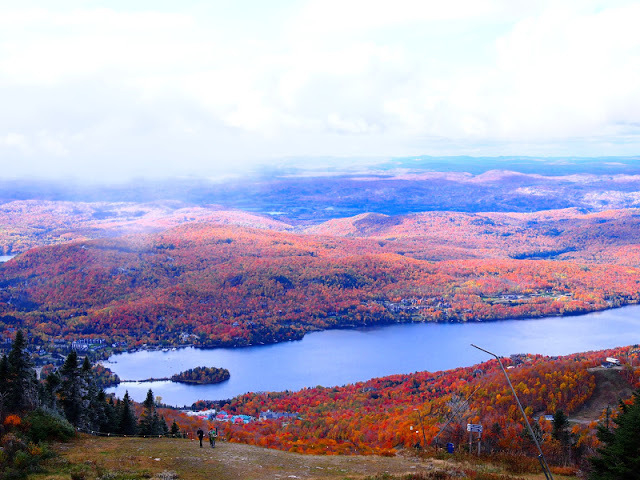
(339, 357)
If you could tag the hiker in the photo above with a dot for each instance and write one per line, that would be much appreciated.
(213, 433)
(200, 434)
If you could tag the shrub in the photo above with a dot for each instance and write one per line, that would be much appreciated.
(519, 464)
(568, 471)
(12, 421)
(17, 458)
(48, 426)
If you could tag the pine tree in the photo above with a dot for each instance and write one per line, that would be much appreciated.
(175, 429)
(128, 422)
(21, 384)
(150, 421)
(163, 426)
(145, 427)
(117, 410)
(50, 391)
(74, 392)
(619, 458)
(562, 434)
(4, 373)
(95, 398)
(4, 384)
(112, 420)
(86, 367)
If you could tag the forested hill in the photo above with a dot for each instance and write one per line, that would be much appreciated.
(210, 284)
(293, 196)
(31, 223)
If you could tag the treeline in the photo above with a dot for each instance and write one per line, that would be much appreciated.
(71, 399)
(202, 375)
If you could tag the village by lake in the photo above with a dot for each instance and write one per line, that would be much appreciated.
(339, 357)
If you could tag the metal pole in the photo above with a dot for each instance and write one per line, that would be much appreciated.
(543, 462)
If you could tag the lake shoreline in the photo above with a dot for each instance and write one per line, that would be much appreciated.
(341, 356)
(375, 325)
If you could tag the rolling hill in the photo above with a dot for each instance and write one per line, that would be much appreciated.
(211, 284)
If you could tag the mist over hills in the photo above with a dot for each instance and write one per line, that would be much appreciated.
(300, 194)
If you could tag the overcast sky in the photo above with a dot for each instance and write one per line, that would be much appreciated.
(110, 90)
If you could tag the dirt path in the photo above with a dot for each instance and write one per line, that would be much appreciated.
(610, 388)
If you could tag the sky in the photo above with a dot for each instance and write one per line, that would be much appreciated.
(119, 89)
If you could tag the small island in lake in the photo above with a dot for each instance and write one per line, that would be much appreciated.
(202, 375)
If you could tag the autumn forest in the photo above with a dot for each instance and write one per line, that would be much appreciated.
(208, 270)
(212, 284)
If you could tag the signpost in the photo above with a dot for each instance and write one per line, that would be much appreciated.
(474, 427)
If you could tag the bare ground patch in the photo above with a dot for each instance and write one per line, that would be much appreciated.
(611, 386)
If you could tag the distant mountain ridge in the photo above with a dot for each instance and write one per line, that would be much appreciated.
(30, 223)
(301, 195)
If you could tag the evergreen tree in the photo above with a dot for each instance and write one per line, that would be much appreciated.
(619, 458)
(98, 406)
(156, 425)
(4, 384)
(175, 429)
(562, 434)
(150, 421)
(112, 421)
(560, 428)
(4, 373)
(128, 421)
(163, 426)
(86, 366)
(74, 392)
(50, 391)
(145, 427)
(21, 384)
(95, 415)
(117, 408)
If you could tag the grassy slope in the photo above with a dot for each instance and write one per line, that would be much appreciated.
(132, 458)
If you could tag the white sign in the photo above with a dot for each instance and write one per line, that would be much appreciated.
(473, 427)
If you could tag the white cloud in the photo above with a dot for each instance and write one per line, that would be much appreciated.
(45, 48)
(566, 74)
(52, 144)
(350, 77)
(327, 17)
(15, 140)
